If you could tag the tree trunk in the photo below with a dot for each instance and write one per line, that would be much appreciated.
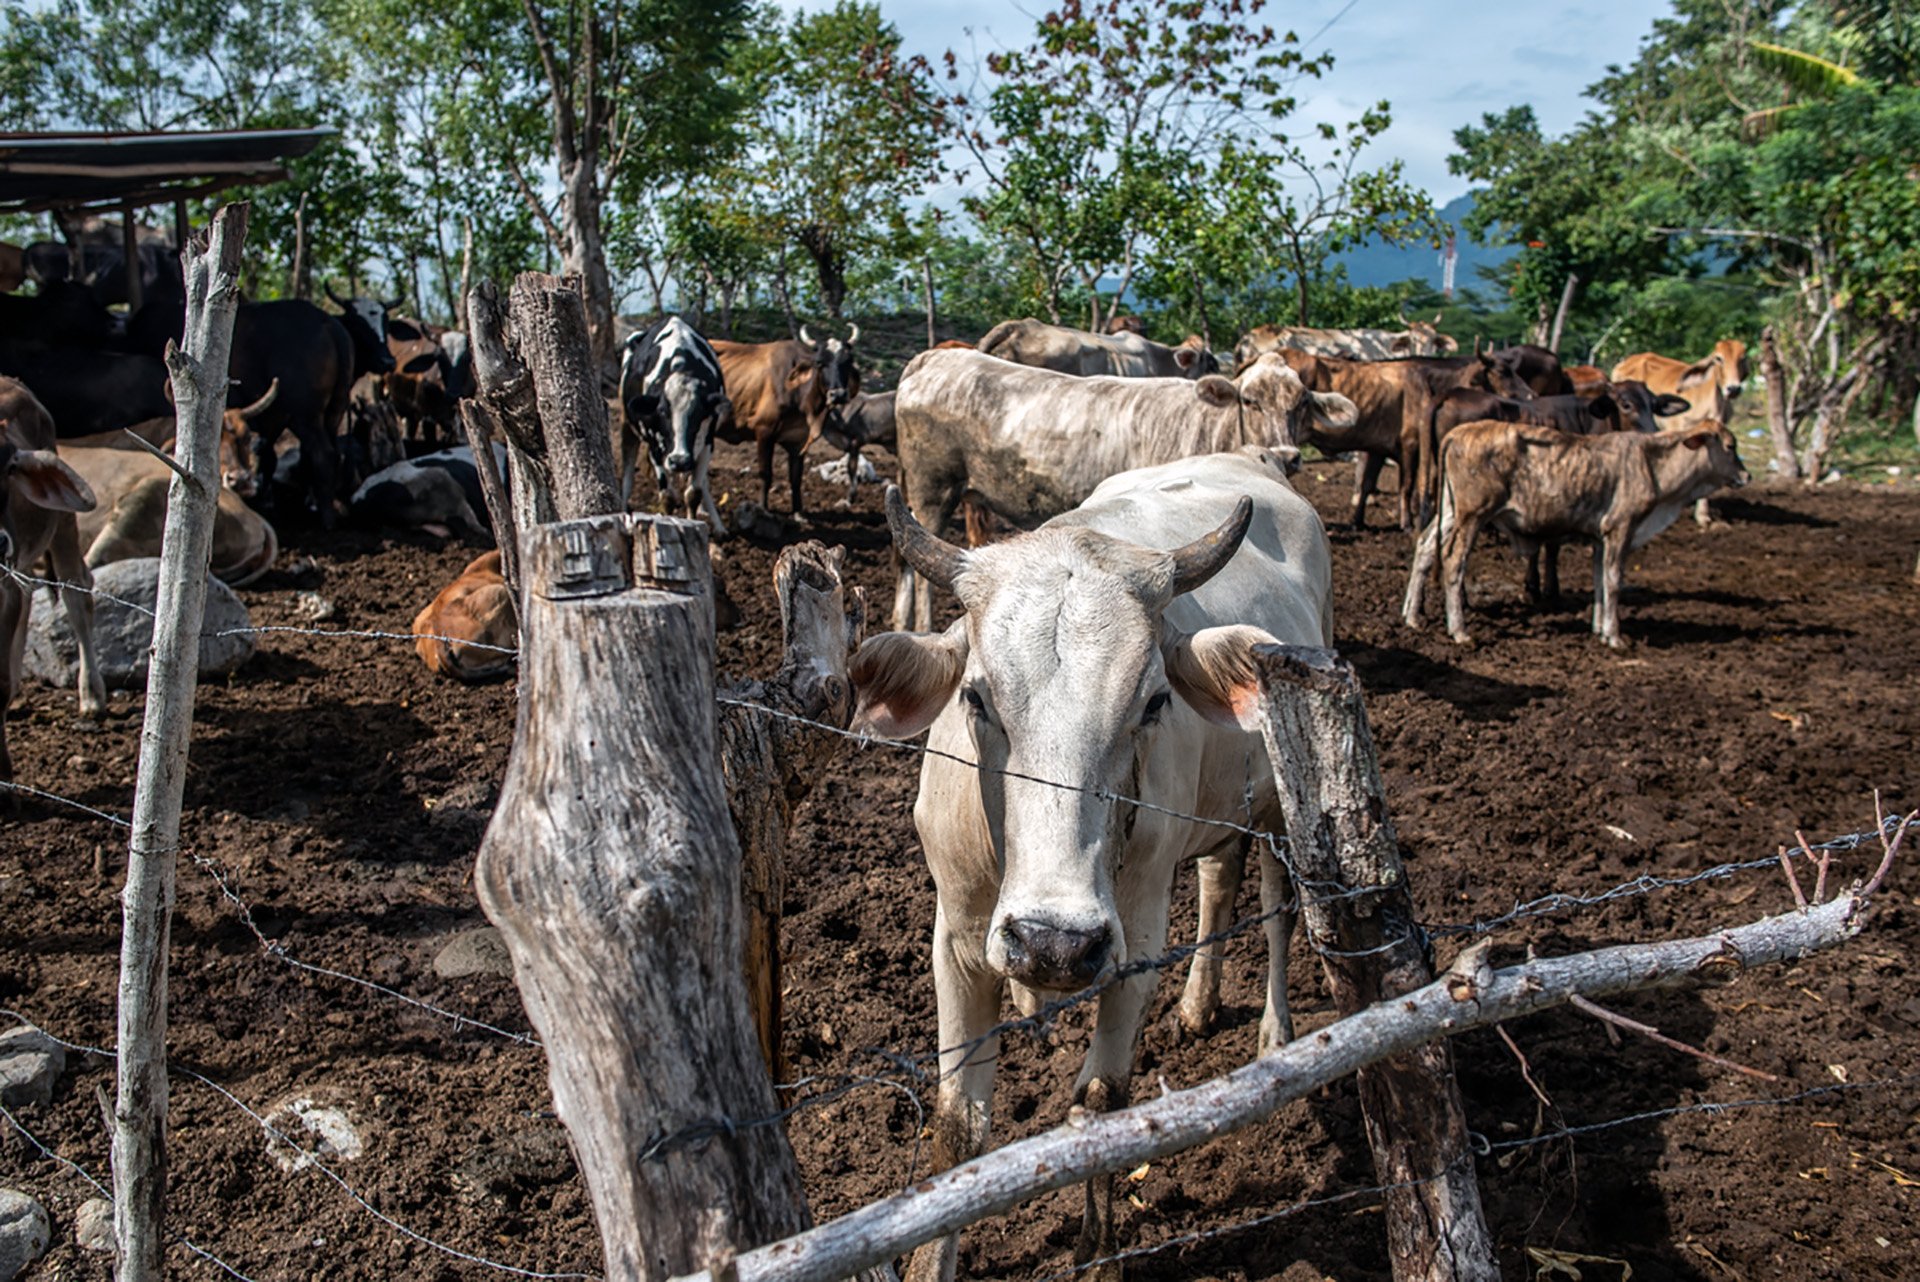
(553, 328)
(586, 255)
(926, 284)
(1774, 376)
(211, 268)
(1835, 404)
(1560, 313)
(1339, 834)
(1542, 320)
(771, 763)
(829, 264)
(466, 273)
(611, 868)
(300, 279)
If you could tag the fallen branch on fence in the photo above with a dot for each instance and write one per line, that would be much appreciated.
(1617, 1020)
(1471, 995)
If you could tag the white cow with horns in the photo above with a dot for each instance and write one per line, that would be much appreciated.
(1091, 658)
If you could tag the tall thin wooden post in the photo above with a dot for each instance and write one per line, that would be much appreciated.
(211, 267)
(1779, 424)
(1339, 834)
(130, 252)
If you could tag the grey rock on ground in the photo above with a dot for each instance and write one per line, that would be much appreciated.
(93, 1226)
(30, 1063)
(24, 1233)
(123, 634)
(480, 951)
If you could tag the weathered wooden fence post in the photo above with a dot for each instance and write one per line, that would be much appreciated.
(211, 264)
(1339, 835)
(611, 865)
(771, 761)
(612, 870)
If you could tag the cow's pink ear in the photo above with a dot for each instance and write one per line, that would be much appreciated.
(1185, 357)
(902, 680)
(43, 479)
(1212, 669)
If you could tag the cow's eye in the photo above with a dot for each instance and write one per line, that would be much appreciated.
(975, 704)
(1155, 706)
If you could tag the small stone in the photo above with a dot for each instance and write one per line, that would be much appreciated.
(320, 1129)
(30, 1063)
(313, 607)
(24, 1233)
(480, 951)
(93, 1226)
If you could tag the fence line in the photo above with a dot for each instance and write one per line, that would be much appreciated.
(102, 1189)
(1479, 1145)
(313, 1159)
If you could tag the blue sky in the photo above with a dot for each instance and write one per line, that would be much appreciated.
(1440, 65)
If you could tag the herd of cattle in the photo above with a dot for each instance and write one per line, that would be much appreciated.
(1103, 656)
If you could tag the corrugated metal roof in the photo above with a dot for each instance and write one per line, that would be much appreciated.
(64, 170)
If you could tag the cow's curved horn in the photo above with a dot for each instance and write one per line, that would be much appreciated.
(260, 406)
(853, 335)
(387, 306)
(928, 554)
(1207, 555)
(336, 300)
(805, 337)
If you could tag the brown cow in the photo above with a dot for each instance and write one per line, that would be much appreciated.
(39, 496)
(236, 439)
(1394, 399)
(781, 393)
(1709, 385)
(1617, 491)
(468, 630)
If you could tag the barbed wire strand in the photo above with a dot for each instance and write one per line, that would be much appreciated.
(1479, 1145)
(313, 1159)
(106, 1192)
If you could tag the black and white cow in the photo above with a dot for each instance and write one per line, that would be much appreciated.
(671, 395)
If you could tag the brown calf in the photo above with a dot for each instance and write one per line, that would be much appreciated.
(1394, 399)
(463, 632)
(39, 495)
(1616, 491)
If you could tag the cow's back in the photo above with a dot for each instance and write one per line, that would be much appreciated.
(1035, 442)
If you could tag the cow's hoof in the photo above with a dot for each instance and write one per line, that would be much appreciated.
(1197, 1017)
(1464, 640)
(1274, 1034)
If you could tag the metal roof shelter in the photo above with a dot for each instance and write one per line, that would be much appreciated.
(68, 171)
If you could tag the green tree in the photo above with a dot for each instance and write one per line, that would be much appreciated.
(845, 128)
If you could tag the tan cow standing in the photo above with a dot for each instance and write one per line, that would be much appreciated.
(1708, 386)
(1617, 491)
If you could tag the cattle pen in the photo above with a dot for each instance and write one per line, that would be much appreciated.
(335, 802)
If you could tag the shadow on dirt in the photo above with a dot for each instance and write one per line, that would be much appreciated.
(1385, 669)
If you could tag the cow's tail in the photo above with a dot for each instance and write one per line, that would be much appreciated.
(995, 338)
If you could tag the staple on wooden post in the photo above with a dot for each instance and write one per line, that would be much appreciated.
(198, 364)
(1340, 835)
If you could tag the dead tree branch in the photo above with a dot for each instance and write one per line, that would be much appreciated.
(1465, 998)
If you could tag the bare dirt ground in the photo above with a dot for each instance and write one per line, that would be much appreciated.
(1772, 684)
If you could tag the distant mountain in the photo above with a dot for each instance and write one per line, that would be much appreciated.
(1375, 263)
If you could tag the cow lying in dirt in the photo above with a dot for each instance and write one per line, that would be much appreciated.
(236, 439)
(132, 514)
(464, 630)
(39, 495)
(1616, 491)
(1108, 651)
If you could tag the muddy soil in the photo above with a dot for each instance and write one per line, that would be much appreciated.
(1772, 684)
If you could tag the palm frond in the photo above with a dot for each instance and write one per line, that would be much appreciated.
(1760, 124)
(1805, 73)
